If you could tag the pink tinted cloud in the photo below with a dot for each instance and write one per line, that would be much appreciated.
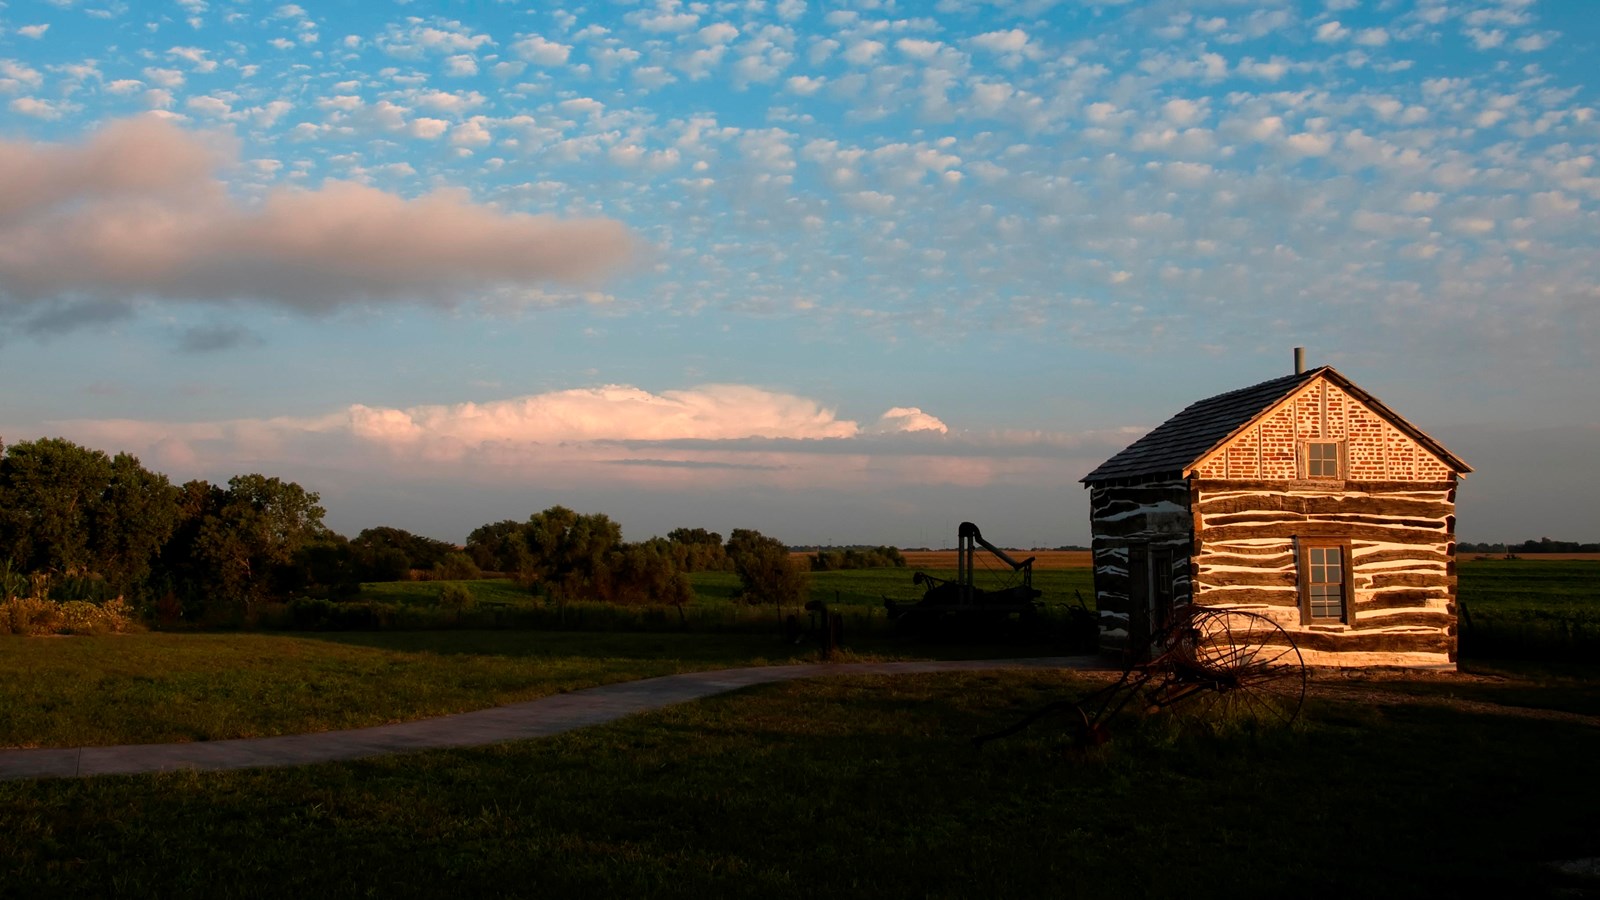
(136, 210)
(715, 436)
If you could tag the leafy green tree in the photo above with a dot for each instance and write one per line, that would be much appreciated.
(418, 552)
(247, 544)
(138, 512)
(698, 550)
(767, 572)
(70, 510)
(568, 551)
(644, 573)
(499, 546)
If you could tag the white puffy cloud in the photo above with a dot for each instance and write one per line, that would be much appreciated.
(904, 419)
(542, 51)
(36, 108)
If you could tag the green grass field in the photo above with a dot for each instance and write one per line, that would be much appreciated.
(1530, 609)
(852, 786)
(148, 688)
(857, 787)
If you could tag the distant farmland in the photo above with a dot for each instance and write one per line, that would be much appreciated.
(1043, 559)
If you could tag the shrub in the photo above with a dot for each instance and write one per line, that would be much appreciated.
(317, 614)
(457, 598)
(857, 558)
(28, 615)
(457, 567)
(36, 615)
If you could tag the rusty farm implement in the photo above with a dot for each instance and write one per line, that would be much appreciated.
(1205, 666)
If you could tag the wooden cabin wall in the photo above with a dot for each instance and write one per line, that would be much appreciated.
(1402, 547)
(1153, 515)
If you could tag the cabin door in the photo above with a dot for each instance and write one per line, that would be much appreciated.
(1150, 595)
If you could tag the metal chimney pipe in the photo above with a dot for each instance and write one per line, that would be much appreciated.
(1299, 360)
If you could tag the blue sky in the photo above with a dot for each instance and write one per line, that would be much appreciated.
(844, 272)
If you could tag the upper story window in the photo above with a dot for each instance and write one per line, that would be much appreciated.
(1322, 460)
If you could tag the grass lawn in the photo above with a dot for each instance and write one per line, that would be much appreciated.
(148, 688)
(154, 688)
(857, 787)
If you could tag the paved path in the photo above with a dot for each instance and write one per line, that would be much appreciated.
(519, 721)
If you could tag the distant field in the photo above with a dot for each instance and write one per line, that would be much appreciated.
(1533, 557)
(1042, 559)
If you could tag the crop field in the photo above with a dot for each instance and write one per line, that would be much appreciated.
(1042, 559)
(1530, 608)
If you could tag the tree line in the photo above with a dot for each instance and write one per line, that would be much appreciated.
(1542, 545)
(76, 523)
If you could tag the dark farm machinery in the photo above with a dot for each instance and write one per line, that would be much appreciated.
(961, 603)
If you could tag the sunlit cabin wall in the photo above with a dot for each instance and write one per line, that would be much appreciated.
(1395, 505)
(1152, 516)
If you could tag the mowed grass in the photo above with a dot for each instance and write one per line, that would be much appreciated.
(855, 787)
(149, 688)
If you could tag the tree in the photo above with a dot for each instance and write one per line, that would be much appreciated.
(644, 573)
(379, 546)
(499, 546)
(767, 573)
(138, 512)
(567, 551)
(247, 543)
(697, 550)
(70, 510)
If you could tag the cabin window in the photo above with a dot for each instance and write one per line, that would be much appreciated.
(1322, 459)
(1325, 581)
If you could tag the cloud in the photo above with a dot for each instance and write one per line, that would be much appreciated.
(215, 338)
(609, 413)
(902, 419)
(135, 211)
(537, 49)
(699, 437)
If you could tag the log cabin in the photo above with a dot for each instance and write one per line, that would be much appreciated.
(1304, 499)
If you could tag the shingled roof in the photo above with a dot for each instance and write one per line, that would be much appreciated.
(1189, 436)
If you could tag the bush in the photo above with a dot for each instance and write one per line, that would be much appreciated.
(857, 558)
(457, 567)
(36, 615)
(316, 614)
(457, 598)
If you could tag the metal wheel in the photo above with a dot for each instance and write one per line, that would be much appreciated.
(1228, 666)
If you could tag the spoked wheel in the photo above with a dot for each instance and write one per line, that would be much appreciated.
(1228, 666)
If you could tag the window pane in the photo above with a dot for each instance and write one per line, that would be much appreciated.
(1325, 582)
(1322, 460)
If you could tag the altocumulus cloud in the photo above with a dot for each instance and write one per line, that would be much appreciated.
(137, 209)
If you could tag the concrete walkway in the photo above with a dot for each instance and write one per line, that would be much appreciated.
(518, 721)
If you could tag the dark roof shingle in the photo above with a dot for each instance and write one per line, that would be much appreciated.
(1189, 435)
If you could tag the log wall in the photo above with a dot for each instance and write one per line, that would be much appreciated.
(1155, 516)
(1402, 575)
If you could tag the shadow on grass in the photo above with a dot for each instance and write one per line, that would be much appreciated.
(854, 787)
(732, 649)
